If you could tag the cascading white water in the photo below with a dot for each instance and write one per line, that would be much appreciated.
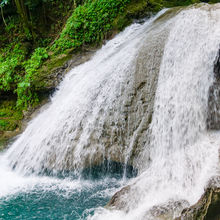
(68, 133)
(98, 113)
(184, 154)
(64, 136)
(91, 117)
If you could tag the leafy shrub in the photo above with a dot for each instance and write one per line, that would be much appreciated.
(16, 73)
(3, 125)
(24, 91)
(89, 23)
(36, 60)
(10, 61)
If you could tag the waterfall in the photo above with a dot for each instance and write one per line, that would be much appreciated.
(141, 101)
(86, 121)
(183, 153)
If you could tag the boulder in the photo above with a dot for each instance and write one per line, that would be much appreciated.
(207, 208)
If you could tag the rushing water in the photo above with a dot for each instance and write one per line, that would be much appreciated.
(138, 107)
(183, 154)
(35, 197)
(39, 187)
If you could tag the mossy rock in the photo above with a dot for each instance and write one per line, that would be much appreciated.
(136, 9)
(3, 142)
(207, 208)
(51, 73)
(45, 77)
(8, 125)
(10, 119)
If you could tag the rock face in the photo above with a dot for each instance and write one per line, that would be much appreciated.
(217, 66)
(213, 120)
(47, 83)
(96, 125)
(207, 208)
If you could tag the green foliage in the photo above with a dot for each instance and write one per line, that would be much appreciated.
(89, 23)
(23, 59)
(11, 26)
(10, 115)
(16, 73)
(36, 60)
(173, 3)
(3, 125)
(10, 62)
(8, 125)
(24, 91)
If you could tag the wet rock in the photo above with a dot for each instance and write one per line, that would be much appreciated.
(6, 137)
(53, 71)
(213, 119)
(140, 111)
(207, 208)
(117, 201)
(217, 66)
(166, 211)
(120, 134)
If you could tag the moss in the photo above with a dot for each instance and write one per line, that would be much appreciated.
(169, 14)
(8, 125)
(10, 119)
(89, 24)
(41, 78)
(10, 115)
(136, 9)
(213, 211)
(141, 8)
(3, 142)
(43, 66)
(120, 23)
(207, 208)
(174, 3)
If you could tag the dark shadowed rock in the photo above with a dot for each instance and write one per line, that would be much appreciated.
(217, 66)
(213, 119)
(208, 207)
